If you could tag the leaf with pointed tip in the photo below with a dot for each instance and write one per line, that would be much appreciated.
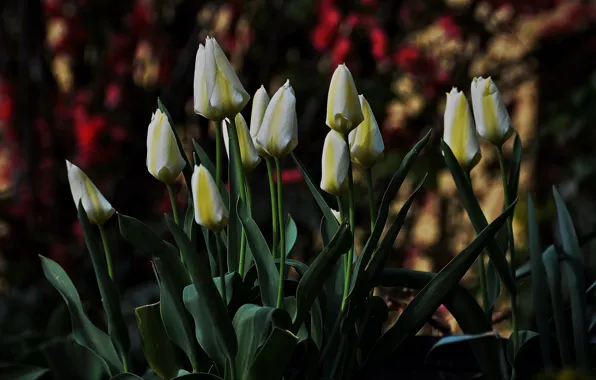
(291, 235)
(525, 337)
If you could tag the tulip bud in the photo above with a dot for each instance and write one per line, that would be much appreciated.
(337, 215)
(164, 160)
(366, 142)
(98, 209)
(210, 211)
(249, 157)
(218, 92)
(492, 119)
(459, 132)
(335, 163)
(278, 134)
(343, 107)
(259, 106)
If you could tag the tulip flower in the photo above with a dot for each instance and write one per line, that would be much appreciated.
(278, 134)
(460, 133)
(210, 210)
(343, 107)
(98, 209)
(492, 119)
(259, 106)
(218, 92)
(249, 157)
(335, 163)
(366, 143)
(164, 160)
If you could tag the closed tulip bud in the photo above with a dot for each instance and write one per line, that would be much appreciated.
(336, 214)
(249, 157)
(343, 107)
(164, 160)
(210, 210)
(259, 106)
(335, 163)
(366, 142)
(278, 134)
(98, 209)
(492, 119)
(460, 133)
(218, 92)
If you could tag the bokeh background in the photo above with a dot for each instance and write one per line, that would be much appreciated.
(79, 80)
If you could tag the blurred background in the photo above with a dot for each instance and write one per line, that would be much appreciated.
(79, 80)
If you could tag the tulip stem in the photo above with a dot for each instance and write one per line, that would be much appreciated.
(506, 199)
(222, 268)
(282, 235)
(106, 248)
(340, 208)
(371, 197)
(274, 216)
(173, 202)
(218, 154)
(350, 256)
(243, 241)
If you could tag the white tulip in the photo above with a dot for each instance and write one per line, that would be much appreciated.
(492, 119)
(218, 92)
(335, 163)
(278, 134)
(98, 209)
(460, 133)
(210, 210)
(343, 107)
(337, 215)
(164, 160)
(366, 142)
(249, 157)
(259, 105)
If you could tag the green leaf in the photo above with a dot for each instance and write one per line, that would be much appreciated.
(85, 333)
(525, 337)
(470, 203)
(311, 284)
(550, 259)
(110, 298)
(494, 285)
(126, 376)
(213, 309)
(187, 171)
(539, 285)
(21, 372)
(291, 235)
(576, 281)
(515, 169)
(266, 269)
(159, 351)
(189, 219)
(199, 376)
(234, 288)
(69, 360)
(274, 355)
(173, 278)
(334, 285)
(252, 324)
(422, 307)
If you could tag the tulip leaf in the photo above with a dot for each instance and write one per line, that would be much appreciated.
(69, 360)
(291, 235)
(312, 282)
(422, 307)
(252, 324)
(187, 170)
(525, 337)
(21, 372)
(575, 279)
(213, 309)
(272, 358)
(159, 351)
(85, 333)
(477, 217)
(199, 376)
(515, 169)
(234, 288)
(493, 285)
(126, 376)
(117, 329)
(267, 271)
(540, 295)
(173, 278)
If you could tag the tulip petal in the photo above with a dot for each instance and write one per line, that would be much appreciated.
(335, 163)
(492, 119)
(259, 106)
(98, 209)
(249, 157)
(366, 142)
(460, 132)
(164, 159)
(210, 211)
(343, 107)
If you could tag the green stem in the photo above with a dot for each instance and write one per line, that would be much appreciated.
(282, 235)
(173, 202)
(243, 241)
(222, 267)
(340, 208)
(274, 216)
(371, 197)
(350, 255)
(106, 249)
(218, 154)
(515, 333)
(124, 362)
